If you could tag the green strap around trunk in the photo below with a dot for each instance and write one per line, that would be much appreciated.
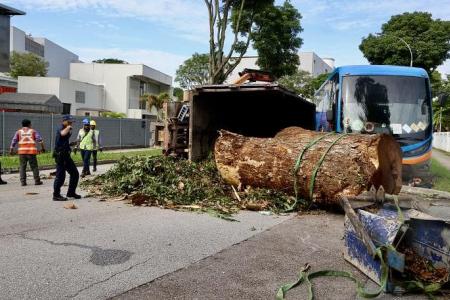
(297, 165)
(319, 164)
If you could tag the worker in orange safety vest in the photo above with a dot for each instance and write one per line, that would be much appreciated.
(26, 140)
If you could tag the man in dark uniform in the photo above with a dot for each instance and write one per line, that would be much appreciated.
(64, 162)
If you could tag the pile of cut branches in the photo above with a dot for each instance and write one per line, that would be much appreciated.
(181, 184)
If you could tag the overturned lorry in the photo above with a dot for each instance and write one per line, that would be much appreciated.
(257, 110)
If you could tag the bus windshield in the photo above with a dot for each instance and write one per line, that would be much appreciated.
(399, 105)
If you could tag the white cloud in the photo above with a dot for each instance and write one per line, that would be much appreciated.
(182, 16)
(347, 15)
(162, 61)
(97, 24)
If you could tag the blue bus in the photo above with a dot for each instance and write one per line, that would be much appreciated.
(382, 99)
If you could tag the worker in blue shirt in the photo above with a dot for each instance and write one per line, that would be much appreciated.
(64, 162)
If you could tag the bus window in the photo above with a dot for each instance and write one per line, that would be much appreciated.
(387, 104)
(325, 101)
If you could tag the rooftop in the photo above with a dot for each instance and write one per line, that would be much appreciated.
(381, 70)
(31, 102)
(9, 11)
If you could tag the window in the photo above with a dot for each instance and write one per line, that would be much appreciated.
(66, 108)
(34, 47)
(87, 114)
(325, 99)
(80, 97)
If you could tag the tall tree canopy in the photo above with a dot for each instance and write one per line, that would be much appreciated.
(428, 38)
(109, 61)
(273, 29)
(275, 37)
(27, 64)
(193, 71)
(440, 86)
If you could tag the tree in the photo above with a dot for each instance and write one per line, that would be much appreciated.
(319, 80)
(247, 19)
(276, 40)
(193, 71)
(428, 38)
(440, 87)
(299, 83)
(178, 93)
(109, 61)
(302, 83)
(27, 64)
(156, 101)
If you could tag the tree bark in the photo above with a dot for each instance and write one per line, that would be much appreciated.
(352, 165)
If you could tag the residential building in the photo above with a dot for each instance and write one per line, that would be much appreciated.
(314, 65)
(78, 98)
(5, 15)
(58, 58)
(309, 61)
(123, 85)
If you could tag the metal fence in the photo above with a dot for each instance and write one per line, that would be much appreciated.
(115, 133)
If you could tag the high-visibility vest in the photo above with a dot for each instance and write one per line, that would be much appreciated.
(27, 141)
(86, 140)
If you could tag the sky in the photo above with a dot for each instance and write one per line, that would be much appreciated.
(163, 33)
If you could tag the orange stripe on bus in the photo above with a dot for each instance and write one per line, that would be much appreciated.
(418, 159)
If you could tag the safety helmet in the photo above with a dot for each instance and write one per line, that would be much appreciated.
(86, 122)
(93, 123)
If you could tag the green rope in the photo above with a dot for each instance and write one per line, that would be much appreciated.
(298, 164)
(319, 164)
(304, 276)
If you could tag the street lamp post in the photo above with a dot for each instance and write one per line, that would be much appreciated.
(407, 45)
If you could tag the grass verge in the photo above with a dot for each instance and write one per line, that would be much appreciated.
(46, 159)
(441, 176)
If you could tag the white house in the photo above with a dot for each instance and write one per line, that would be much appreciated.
(79, 98)
(309, 61)
(123, 85)
(58, 58)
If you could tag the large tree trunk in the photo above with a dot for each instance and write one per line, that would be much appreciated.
(351, 166)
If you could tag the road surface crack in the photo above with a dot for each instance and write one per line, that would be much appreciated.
(110, 277)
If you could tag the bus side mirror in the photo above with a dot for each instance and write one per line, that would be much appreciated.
(442, 99)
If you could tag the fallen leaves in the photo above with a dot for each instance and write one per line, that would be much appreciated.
(422, 269)
(180, 184)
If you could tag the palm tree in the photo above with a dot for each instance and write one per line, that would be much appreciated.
(156, 101)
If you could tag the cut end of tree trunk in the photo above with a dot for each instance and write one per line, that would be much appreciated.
(332, 166)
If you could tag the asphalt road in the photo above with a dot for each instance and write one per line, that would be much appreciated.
(113, 250)
(257, 267)
(102, 249)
